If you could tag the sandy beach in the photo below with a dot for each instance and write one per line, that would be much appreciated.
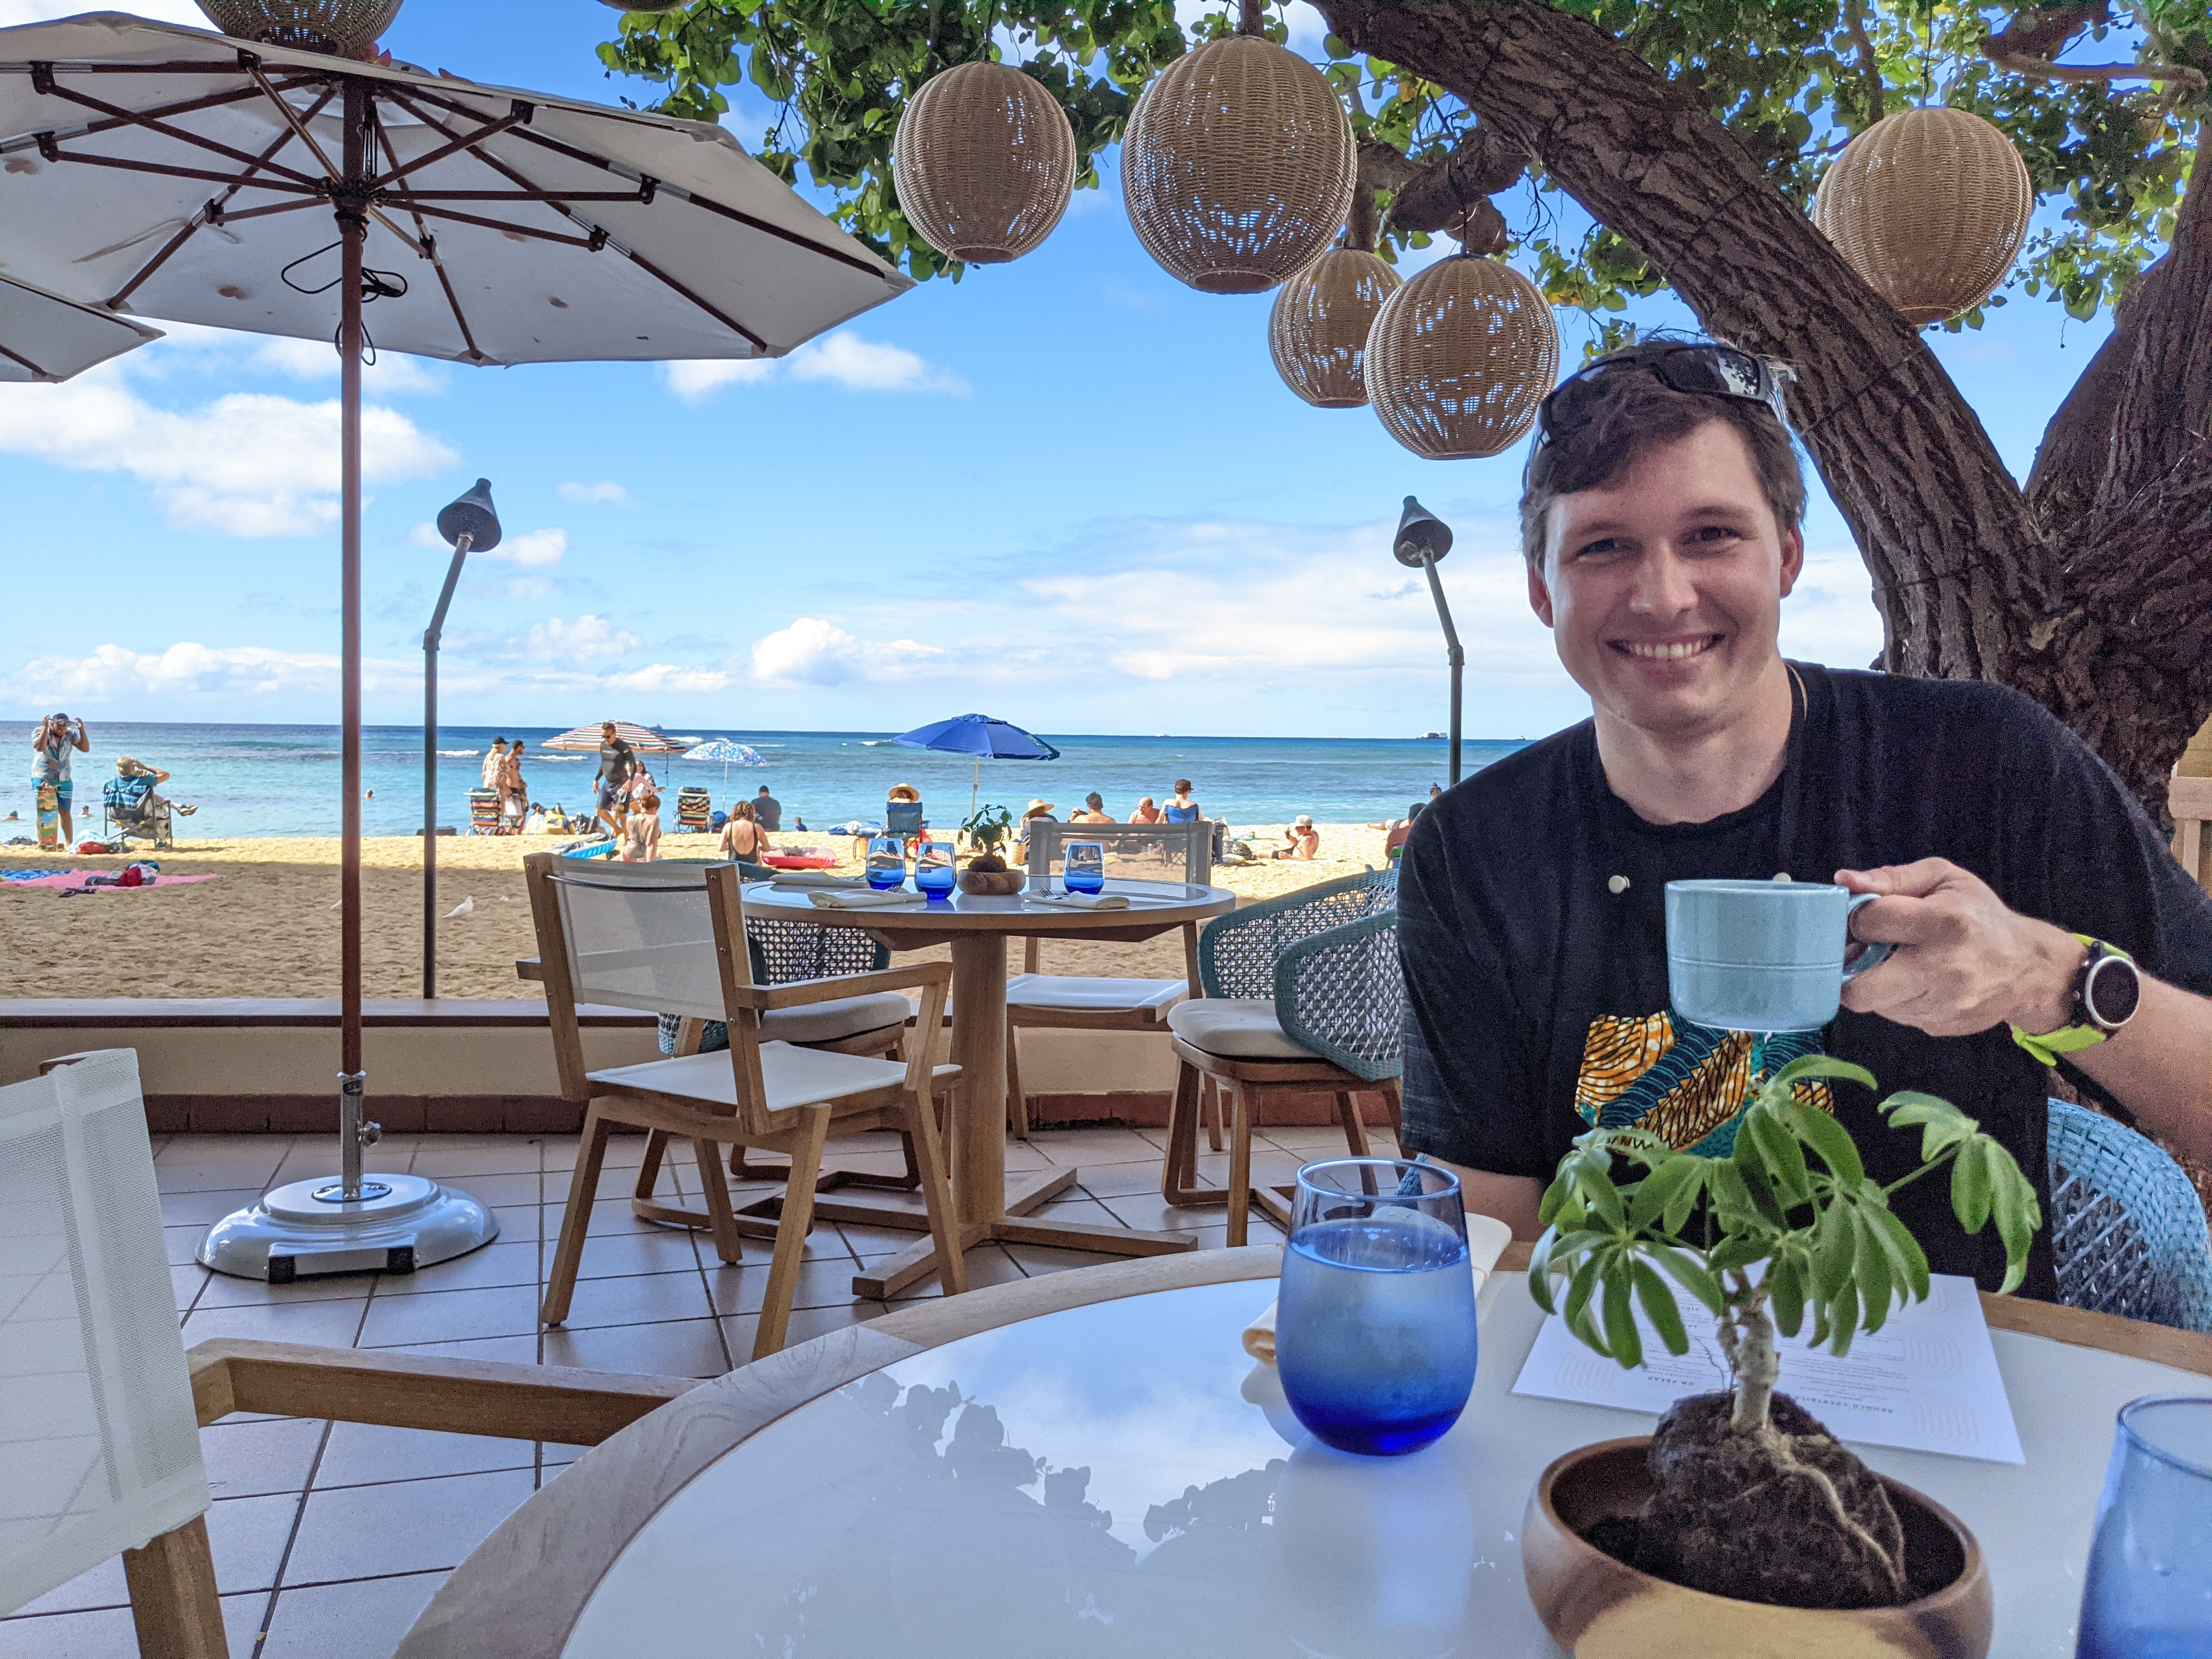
(268, 928)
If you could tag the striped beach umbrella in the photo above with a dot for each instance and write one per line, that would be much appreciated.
(643, 738)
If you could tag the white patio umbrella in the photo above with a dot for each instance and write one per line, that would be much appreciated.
(43, 337)
(178, 173)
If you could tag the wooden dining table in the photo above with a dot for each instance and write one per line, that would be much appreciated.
(1088, 1463)
(991, 1205)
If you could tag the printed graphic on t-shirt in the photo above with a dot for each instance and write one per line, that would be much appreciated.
(1682, 1082)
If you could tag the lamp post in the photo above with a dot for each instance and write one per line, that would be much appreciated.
(1423, 539)
(469, 522)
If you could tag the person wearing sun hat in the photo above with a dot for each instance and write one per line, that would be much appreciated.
(1039, 808)
(1304, 839)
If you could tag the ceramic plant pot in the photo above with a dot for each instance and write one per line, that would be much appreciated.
(1597, 1607)
(993, 883)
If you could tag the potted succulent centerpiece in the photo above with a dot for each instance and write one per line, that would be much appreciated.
(1742, 1525)
(987, 872)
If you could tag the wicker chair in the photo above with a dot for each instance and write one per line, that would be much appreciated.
(2126, 1226)
(1301, 997)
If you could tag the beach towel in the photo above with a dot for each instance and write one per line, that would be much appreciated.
(77, 881)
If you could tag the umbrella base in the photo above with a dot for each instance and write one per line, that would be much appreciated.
(291, 1234)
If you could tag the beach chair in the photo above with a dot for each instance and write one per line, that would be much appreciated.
(2127, 1228)
(129, 806)
(671, 939)
(484, 817)
(1037, 1000)
(100, 1436)
(694, 810)
(1303, 997)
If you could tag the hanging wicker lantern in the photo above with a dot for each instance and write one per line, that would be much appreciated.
(343, 28)
(1237, 165)
(1930, 207)
(1318, 328)
(1460, 358)
(984, 160)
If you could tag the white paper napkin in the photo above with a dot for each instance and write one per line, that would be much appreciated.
(1083, 901)
(1486, 1239)
(796, 881)
(860, 899)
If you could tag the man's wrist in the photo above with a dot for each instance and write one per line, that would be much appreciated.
(2047, 987)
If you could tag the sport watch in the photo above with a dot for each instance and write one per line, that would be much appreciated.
(2107, 990)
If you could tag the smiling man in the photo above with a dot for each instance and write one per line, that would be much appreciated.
(2036, 911)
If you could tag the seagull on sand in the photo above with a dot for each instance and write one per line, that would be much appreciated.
(467, 907)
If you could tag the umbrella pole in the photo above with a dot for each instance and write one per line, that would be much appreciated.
(353, 231)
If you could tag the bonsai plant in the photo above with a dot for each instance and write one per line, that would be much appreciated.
(985, 832)
(1751, 1497)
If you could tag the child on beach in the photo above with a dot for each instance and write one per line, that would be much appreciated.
(641, 831)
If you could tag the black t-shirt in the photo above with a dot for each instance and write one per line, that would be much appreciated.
(1537, 993)
(768, 813)
(616, 760)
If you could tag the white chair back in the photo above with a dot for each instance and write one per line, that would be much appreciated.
(640, 936)
(1136, 851)
(100, 1449)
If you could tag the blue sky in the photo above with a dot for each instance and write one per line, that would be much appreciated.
(1069, 491)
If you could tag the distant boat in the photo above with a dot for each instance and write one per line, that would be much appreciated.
(1429, 736)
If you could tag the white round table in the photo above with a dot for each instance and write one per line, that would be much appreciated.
(1109, 1475)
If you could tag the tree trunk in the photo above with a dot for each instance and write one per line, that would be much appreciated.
(2092, 590)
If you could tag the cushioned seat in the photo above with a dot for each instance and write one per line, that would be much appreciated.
(1102, 996)
(793, 1076)
(1244, 1027)
(827, 1022)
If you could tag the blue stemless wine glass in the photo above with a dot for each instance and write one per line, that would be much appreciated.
(1374, 1330)
(934, 870)
(2147, 1594)
(1083, 866)
(886, 863)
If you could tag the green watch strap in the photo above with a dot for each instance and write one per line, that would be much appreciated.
(2068, 1039)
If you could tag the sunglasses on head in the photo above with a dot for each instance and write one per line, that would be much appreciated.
(1705, 371)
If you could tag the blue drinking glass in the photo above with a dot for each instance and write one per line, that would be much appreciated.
(2147, 1594)
(1375, 1339)
(934, 870)
(1083, 866)
(886, 863)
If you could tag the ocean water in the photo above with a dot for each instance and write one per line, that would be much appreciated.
(283, 779)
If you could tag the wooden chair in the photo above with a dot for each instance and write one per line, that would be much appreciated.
(100, 1441)
(634, 937)
(1303, 997)
(1170, 852)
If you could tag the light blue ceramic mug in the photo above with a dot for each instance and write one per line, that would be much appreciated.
(1762, 956)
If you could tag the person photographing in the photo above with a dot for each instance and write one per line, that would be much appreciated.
(58, 739)
(2037, 920)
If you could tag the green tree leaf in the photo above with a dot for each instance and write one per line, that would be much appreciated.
(1657, 1301)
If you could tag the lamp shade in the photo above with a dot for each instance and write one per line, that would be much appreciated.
(344, 28)
(1460, 358)
(984, 161)
(1421, 537)
(1317, 331)
(473, 516)
(1237, 165)
(1930, 207)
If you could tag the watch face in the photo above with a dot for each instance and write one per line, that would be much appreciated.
(2112, 991)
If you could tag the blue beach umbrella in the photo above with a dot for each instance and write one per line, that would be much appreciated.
(983, 737)
(730, 754)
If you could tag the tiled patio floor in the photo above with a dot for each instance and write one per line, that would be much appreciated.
(329, 1539)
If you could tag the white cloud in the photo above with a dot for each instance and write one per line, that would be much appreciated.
(603, 494)
(246, 464)
(814, 651)
(588, 639)
(531, 548)
(843, 359)
(661, 676)
(318, 360)
(113, 672)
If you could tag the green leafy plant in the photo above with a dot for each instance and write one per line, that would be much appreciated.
(986, 832)
(1793, 1198)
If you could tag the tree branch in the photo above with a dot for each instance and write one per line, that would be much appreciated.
(1438, 195)
(1869, 60)
(2027, 45)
